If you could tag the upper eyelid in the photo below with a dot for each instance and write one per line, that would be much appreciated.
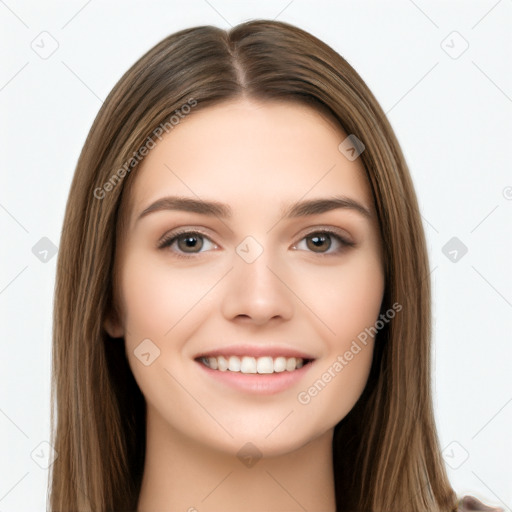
(174, 234)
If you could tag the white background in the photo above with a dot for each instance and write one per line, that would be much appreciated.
(452, 116)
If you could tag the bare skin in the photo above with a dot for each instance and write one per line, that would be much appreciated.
(256, 158)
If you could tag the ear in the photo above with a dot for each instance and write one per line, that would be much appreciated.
(112, 325)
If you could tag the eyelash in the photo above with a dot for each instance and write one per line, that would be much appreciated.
(169, 239)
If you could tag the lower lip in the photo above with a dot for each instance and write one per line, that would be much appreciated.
(262, 384)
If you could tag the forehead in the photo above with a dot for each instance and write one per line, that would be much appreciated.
(250, 152)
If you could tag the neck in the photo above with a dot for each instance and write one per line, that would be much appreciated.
(181, 474)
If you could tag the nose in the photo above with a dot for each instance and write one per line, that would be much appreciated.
(257, 292)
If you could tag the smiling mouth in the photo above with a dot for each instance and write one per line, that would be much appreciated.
(254, 365)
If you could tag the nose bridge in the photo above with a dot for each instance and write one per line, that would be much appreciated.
(255, 288)
(252, 266)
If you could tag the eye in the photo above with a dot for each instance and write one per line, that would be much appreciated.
(321, 241)
(188, 242)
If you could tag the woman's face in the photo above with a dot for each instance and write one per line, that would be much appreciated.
(250, 279)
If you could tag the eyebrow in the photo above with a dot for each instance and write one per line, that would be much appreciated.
(216, 209)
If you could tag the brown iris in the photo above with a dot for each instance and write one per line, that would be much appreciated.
(189, 241)
(317, 240)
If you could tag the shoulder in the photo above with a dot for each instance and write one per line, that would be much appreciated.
(472, 504)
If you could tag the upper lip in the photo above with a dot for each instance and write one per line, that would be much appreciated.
(255, 351)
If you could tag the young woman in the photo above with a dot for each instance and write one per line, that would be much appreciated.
(242, 307)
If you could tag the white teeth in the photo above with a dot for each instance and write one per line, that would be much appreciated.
(265, 365)
(222, 363)
(291, 364)
(247, 364)
(234, 364)
(280, 364)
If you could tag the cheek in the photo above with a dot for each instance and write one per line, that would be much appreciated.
(165, 306)
(160, 306)
(346, 298)
(358, 299)
(333, 389)
(156, 297)
(146, 309)
(350, 307)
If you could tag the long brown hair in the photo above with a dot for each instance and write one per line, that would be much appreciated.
(386, 450)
